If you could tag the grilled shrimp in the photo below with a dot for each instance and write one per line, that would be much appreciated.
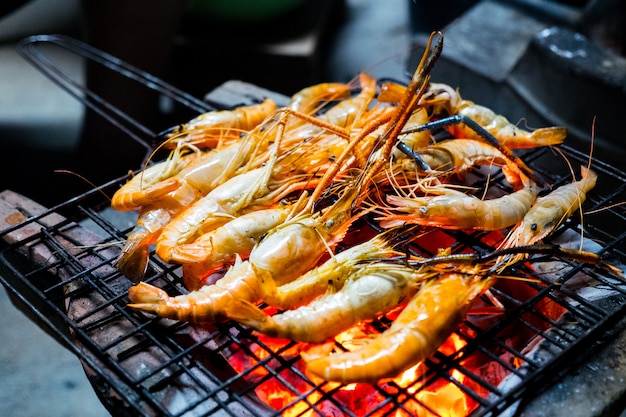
(347, 111)
(156, 212)
(153, 182)
(308, 99)
(260, 187)
(332, 272)
(456, 210)
(211, 211)
(205, 305)
(133, 259)
(222, 245)
(286, 252)
(415, 140)
(372, 289)
(460, 155)
(297, 245)
(445, 100)
(549, 212)
(507, 133)
(212, 128)
(429, 317)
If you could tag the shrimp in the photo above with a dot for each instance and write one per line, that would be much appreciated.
(429, 317)
(332, 272)
(133, 259)
(415, 140)
(444, 99)
(459, 155)
(220, 246)
(261, 187)
(346, 112)
(205, 305)
(549, 212)
(213, 128)
(157, 211)
(456, 210)
(507, 133)
(297, 245)
(155, 181)
(395, 120)
(371, 290)
(211, 211)
(286, 252)
(308, 99)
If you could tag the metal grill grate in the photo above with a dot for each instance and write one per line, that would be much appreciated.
(57, 265)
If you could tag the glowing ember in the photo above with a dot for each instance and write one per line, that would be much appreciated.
(288, 387)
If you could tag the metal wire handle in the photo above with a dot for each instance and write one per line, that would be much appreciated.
(30, 49)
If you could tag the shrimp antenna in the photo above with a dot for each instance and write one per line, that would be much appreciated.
(536, 249)
(409, 102)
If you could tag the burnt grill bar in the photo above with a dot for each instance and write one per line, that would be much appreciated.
(58, 266)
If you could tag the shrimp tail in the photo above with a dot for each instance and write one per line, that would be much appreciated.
(133, 261)
(192, 252)
(146, 297)
(589, 176)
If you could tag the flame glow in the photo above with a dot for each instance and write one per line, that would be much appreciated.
(293, 395)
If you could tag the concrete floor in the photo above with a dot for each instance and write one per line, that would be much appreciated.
(40, 377)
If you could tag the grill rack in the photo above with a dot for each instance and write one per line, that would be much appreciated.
(57, 265)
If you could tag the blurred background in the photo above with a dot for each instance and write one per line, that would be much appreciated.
(537, 62)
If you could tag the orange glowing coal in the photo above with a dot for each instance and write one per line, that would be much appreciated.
(288, 388)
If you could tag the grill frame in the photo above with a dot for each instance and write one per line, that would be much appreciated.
(88, 275)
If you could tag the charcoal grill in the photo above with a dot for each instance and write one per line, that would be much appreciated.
(57, 264)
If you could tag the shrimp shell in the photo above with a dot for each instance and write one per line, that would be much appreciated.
(425, 323)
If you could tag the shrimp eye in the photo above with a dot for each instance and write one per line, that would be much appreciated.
(423, 209)
(533, 227)
(330, 223)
